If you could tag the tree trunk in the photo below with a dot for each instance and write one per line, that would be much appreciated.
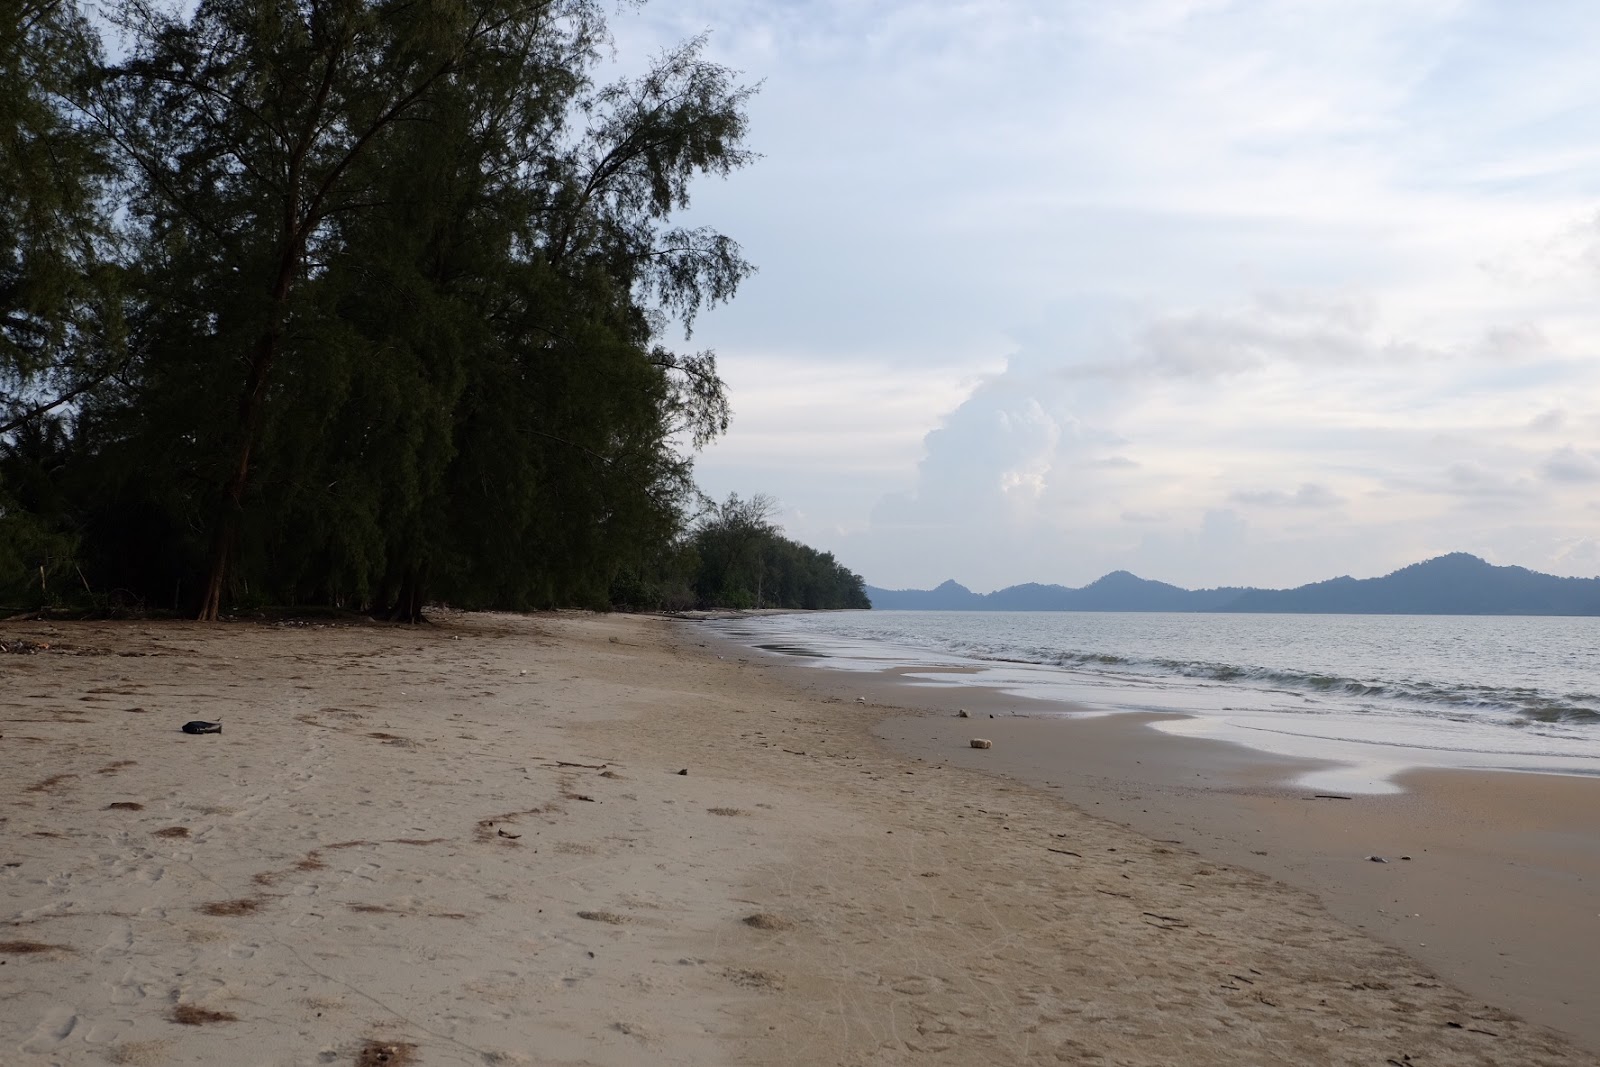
(408, 604)
(252, 407)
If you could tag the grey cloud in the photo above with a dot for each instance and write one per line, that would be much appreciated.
(1469, 482)
(1553, 419)
(1573, 467)
(1349, 313)
(1513, 342)
(1307, 496)
(1297, 327)
(1581, 556)
(1591, 251)
(1209, 345)
(1473, 480)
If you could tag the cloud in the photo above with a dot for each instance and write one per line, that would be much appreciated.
(1580, 555)
(1573, 467)
(1307, 496)
(1548, 420)
(1276, 328)
(1479, 482)
(797, 409)
(1051, 281)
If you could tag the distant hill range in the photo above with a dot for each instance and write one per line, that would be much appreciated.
(1457, 584)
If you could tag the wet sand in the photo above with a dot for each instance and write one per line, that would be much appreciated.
(1492, 879)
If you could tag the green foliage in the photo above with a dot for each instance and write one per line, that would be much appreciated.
(60, 318)
(397, 280)
(737, 557)
(37, 553)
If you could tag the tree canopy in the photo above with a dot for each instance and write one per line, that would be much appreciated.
(356, 303)
(735, 556)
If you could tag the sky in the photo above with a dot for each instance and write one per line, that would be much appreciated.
(1221, 293)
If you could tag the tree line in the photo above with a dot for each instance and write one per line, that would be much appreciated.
(361, 303)
(735, 556)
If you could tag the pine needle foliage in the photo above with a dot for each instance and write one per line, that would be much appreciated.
(357, 304)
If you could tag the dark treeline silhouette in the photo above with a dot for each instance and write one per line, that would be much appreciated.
(353, 304)
(736, 557)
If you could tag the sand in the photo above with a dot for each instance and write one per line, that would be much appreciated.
(470, 843)
(1492, 880)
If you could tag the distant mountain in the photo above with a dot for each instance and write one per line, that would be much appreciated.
(1118, 591)
(1457, 584)
(950, 596)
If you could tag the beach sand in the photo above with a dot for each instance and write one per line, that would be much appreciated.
(1490, 879)
(470, 843)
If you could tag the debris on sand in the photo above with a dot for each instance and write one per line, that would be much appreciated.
(386, 1054)
(242, 906)
(603, 917)
(764, 980)
(28, 948)
(192, 1015)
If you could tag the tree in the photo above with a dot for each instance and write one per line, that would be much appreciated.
(59, 314)
(37, 548)
(730, 540)
(744, 561)
(444, 261)
(397, 279)
(248, 123)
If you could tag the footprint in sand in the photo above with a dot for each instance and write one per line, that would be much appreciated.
(128, 989)
(118, 944)
(54, 1027)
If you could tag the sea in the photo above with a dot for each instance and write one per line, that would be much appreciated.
(1373, 695)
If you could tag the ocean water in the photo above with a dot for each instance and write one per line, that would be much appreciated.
(1373, 694)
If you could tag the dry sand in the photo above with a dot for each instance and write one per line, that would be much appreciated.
(468, 843)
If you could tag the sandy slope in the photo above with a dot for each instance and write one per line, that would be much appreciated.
(403, 843)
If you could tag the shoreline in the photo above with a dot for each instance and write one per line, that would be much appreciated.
(576, 839)
(1499, 895)
(1351, 748)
